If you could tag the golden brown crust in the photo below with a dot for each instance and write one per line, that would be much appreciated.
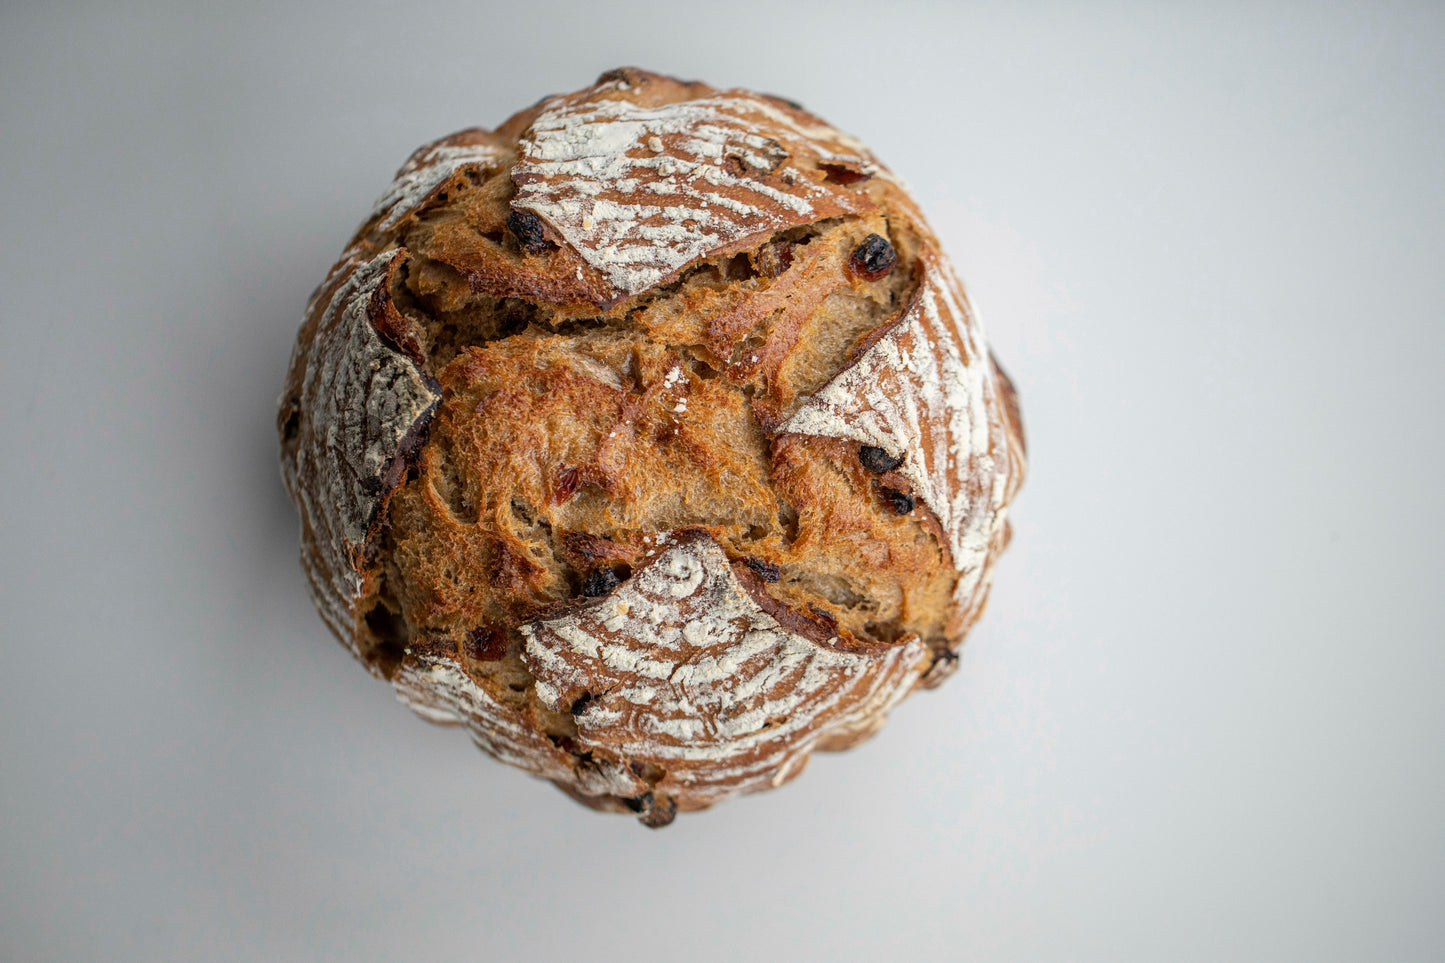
(663, 349)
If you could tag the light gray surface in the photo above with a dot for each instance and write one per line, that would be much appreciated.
(1201, 719)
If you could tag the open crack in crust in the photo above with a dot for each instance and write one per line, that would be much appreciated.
(645, 338)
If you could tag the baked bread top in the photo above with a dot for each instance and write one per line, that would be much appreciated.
(651, 437)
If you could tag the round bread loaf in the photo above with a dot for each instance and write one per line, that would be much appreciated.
(651, 438)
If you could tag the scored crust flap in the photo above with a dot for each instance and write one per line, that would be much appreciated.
(425, 174)
(360, 409)
(681, 669)
(641, 183)
(923, 389)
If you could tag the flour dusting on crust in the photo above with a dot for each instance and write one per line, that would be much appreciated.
(425, 171)
(438, 690)
(684, 670)
(641, 192)
(365, 402)
(925, 391)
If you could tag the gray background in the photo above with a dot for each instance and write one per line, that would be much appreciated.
(1201, 719)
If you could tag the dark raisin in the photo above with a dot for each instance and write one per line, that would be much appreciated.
(766, 571)
(775, 258)
(580, 706)
(877, 460)
(527, 228)
(902, 503)
(485, 644)
(599, 582)
(873, 259)
(660, 812)
(639, 804)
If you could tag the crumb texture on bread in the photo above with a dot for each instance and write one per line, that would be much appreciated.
(651, 438)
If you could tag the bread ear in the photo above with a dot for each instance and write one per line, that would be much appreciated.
(360, 408)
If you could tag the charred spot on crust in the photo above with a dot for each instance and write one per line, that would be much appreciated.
(901, 502)
(766, 571)
(527, 228)
(877, 460)
(873, 259)
(600, 582)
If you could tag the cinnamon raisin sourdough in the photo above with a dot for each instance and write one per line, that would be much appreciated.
(651, 438)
